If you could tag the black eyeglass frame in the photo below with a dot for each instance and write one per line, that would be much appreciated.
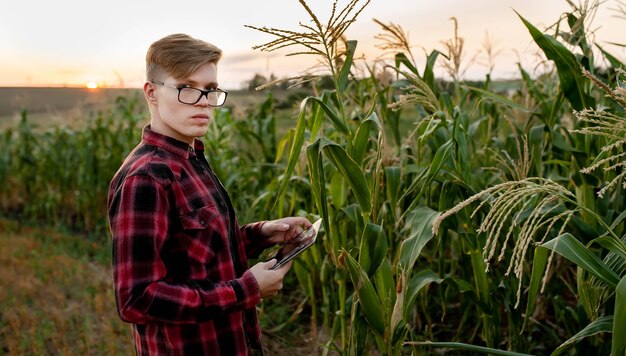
(203, 93)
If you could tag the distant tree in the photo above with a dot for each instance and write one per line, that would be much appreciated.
(256, 81)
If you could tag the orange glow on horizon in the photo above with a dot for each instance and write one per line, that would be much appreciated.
(92, 85)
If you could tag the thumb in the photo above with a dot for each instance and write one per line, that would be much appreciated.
(269, 264)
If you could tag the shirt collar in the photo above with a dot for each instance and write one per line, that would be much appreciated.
(170, 144)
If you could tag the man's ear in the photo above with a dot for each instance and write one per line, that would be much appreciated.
(149, 92)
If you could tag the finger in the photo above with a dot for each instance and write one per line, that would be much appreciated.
(274, 226)
(285, 268)
(269, 264)
(302, 221)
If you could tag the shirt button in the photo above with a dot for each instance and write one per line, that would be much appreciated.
(202, 222)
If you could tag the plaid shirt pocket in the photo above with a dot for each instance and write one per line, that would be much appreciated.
(203, 232)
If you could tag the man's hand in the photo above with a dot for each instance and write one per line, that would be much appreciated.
(269, 281)
(282, 230)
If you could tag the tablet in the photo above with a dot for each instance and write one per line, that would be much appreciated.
(297, 245)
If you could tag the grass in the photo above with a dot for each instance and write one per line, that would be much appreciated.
(56, 295)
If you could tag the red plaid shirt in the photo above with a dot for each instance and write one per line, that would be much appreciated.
(179, 255)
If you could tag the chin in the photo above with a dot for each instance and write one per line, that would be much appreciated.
(198, 133)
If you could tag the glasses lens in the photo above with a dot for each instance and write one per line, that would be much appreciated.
(216, 98)
(189, 95)
(193, 95)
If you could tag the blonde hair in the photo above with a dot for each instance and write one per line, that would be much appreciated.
(179, 55)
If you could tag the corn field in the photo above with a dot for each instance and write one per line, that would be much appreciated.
(455, 216)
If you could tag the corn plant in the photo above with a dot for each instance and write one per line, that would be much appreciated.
(518, 185)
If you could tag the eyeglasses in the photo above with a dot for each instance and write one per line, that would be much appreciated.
(188, 95)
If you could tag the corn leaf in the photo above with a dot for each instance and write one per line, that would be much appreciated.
(318, 189)
(569, 247)
(419, 227)
(385, 283)
(429, 72)
(337, 189)
(488, 95)
(361, 139)
(373, 248)
(466, 347)
(599, 325)
(347, 64)
(392, 184)
(401, 58)
(540, 260)
(442, 154)
(367, 297)
(570, 75)
(280, 147)
(294, 152)
(317, 117)
(350, 171)
(611, 244)
(313, 163)
(419, 281)
(332, 115)
(618, 345)
(615, 63)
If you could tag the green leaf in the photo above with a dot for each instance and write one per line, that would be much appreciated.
(337, 189)
(392, 184)
(401, 58)
(466, 347)
(316, 120)
(373, 248)
(569, 247)
(611, 244)
(429, 69)
(361, 139)
(313, 162)
(618, 345)
(280, 148)
(350, 171)
(442, 154)
(386, 288)
(294, 152)
(570, 75)
(337, 121)
(615, 63)
(599, 325)
(347, 64)
(385, 284)
(558, 140)
(318, 189)
(488, 95)
(419, 281)
(419, 227)
(368, 299)
(540, 260)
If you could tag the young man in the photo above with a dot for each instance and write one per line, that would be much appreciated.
(179, 256)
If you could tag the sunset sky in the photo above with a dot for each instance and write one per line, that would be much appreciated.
(68, 42)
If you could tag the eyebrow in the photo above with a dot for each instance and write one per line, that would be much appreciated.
(193, 83)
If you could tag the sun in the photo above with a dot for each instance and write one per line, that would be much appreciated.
(92, 85)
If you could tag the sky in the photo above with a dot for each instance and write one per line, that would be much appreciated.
(72, 43)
